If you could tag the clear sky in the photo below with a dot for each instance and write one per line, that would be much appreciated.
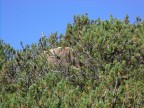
(25, 20)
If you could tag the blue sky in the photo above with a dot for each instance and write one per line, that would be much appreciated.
(25, 20)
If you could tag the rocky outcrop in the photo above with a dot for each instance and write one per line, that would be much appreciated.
(63, 56)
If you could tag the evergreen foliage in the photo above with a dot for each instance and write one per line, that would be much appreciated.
(111, 72)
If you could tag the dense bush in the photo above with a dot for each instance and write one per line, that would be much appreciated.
(111, 73)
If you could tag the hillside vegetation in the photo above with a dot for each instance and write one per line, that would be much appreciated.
(111, 73)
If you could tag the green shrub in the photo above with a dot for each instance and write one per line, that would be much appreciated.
(111, 73)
